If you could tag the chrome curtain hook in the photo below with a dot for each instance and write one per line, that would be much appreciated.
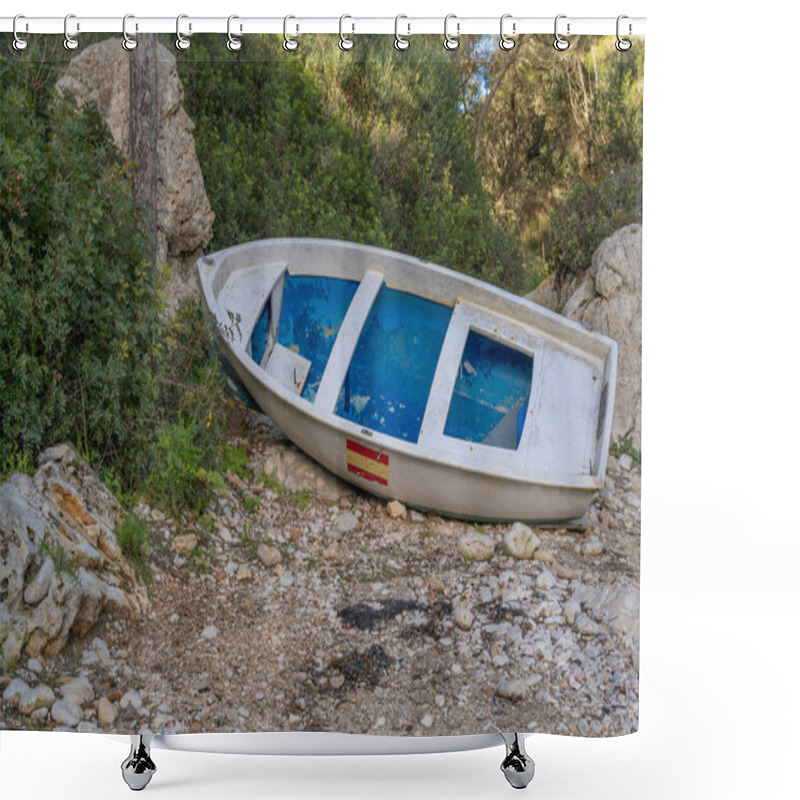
(19, 43)
(70, 42)
(290, 44)
(623, 44)
(400, 42)
(181, 42)
(233, 43)
(451, 42)
(345, 42)
(506, 42)
(561, 44)
(128, 42)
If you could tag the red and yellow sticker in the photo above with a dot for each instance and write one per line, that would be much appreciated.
(367, 463)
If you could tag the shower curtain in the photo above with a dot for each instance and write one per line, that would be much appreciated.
(176, 559)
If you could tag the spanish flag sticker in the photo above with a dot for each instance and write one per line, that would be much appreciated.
(366, 463)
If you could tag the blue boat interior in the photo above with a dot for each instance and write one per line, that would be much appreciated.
(389, 378)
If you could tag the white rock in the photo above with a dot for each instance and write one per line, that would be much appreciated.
(586, 626)
(520, 541)
(546, 580)
(347, 522)
(244, 573)
(415, 516)
(38, 588)
(210, 632)
(78, 690)
(426, 721)
(106, 713)
(40, 696)
(15, 690)
(592, 546)
(184, 545)
(66, 713)
(463, 617)
(131, 698)
(439, 700)
(101, 648)
(286, 579)
(269, 556)
(512, 688)
(397, 510)
(625, 462)
(476, 546)
(34, 665)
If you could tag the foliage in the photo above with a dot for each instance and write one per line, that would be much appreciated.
(624, 446)
(64, 564)
(133, 536)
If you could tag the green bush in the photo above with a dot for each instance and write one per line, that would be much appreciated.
(133, 536)
(593, 211)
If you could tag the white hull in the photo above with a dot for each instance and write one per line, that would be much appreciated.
(560, 462)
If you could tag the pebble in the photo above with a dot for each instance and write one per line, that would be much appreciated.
(512, 688)
(131, 698)
(337, 681)
(625, 462)
(184, 545)
(347, 522)
(101, 648)
(286, 579)
(476, 546)
(571, 609)
(244, 573)
(106, 713)
(15, 690)
(520, 541)
(34, 665)
(78, 690)
(546, 580)
(225, 534)
(545, 556)
(210, 632)
(397, 510)
(586, 626)
(463, 617)
(269, 556)
(415, 516)
(66, 713)
(592, 546)
(40, 696)
(426, 721)
(439, 700)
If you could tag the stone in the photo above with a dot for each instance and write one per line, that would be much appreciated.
(439, 701)
(426, 721)
(106, 713)
(625, 462)
(131, 698)
(210, 632)
(520, 541)
(476, 546)
(269, 556)
(244, 573)
(286, 579)
(592, 546)
(546, 580)
(337, 681)
(463, 617)
(512, 688)
(397, 510)
(38, 588)
(586, 626)
(347, 522)
(100, 73)
(15, 690)
(416, 517)
(40, 696)
(64, 712)
(77, 690)
(545, 556)
(101, 648)
(185, 544)
(34, 665)
(609, 300)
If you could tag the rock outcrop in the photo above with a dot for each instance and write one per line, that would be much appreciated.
(60, 563)
(101, 74)
(608, 299)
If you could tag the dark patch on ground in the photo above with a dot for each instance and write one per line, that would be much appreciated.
(364, 617)
(362, 666)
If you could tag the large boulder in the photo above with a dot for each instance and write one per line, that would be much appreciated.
(60, 563)
(101, 74)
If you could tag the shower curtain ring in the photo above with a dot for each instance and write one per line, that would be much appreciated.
(345, 42)
(19, 43)
(506, 42)
(70, 42)
(128, 42)
(181, 42)
(289, 42)
(451, 42)
(561, 44)
(623, 44)
(400, 42)
(233, 44)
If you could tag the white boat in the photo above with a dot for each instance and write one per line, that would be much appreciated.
(414, 382)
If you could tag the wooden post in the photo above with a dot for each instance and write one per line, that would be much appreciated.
(144, 131)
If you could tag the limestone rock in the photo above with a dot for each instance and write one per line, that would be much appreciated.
(609, 300)
(546, 580)
(592, 546)
(269, 556)
(397, 510)
(15, 690)
(463, 617)
(346, 522)
(512, 688)
(184, 545)
(476, 546)
(66, 713)
(101, 74)
(59, 527)
(106, 713)
(40, 696)
(520, 541)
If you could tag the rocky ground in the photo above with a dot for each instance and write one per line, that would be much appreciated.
(299, 604)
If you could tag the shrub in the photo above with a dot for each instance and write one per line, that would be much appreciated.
(133, 536)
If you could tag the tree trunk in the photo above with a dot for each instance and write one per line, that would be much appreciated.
(144, 132)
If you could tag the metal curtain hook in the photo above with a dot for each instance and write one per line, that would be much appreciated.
(400, 42)
(561, 44)
(70, 42)
(289, 42)
(233, 43)
(451, 42)
(19, 43)
(181, 42)
(623, 44)
(128, 42)
(345, 42)
(506, 42)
